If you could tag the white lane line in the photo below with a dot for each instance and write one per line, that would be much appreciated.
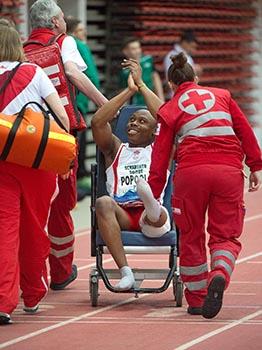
(246, 282)
(239, 261)
(157, 322)
(92, 265)
(87, 230)
(64, 323)
(218, 331)
(232, 293)
(254, 262)
(111, 259)
(254, 217)
(84, 232)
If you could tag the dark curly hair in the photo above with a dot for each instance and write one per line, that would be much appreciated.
(180, 70)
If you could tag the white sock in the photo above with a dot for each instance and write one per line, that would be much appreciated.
(152, 206)
(127, 281)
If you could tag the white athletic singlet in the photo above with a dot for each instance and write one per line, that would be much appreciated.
(129, 164)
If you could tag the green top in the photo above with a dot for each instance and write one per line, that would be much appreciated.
(147, 66)
(91, 72)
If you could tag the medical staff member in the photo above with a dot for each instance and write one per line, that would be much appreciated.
(187, 44)
(47, 21)
(213, 137)
(25, 194)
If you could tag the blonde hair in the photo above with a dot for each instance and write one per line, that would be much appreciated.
(11, 48)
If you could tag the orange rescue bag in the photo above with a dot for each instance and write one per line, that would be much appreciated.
(34, 140)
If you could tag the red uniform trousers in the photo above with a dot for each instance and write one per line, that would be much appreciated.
(217, 190)
(61, 229)
(25, 196)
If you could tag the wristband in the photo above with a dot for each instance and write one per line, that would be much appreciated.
(141, 86)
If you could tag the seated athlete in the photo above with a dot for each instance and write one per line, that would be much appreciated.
(130, 204)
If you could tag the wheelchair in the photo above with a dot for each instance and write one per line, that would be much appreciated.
(133, 242)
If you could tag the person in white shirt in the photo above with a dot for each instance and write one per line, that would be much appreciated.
(25, 193)
(187, 44)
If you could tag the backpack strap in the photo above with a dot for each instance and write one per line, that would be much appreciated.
(55, 39)
(51, 41)
(10, 77)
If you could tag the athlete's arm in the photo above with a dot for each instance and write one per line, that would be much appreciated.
(158, 88)
(107, 142)
(161, 155)
(153, 102)
(247, 137)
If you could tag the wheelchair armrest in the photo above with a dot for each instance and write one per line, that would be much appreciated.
(93, 207)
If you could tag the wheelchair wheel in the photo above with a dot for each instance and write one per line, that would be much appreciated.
(178, 289)
(93, 288)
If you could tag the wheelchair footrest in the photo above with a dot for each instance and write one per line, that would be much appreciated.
(140, 274)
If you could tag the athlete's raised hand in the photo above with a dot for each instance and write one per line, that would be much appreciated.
(131, 84)
(135, 70)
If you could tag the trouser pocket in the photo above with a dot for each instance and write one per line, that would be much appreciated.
(179, 214)
(241, 210)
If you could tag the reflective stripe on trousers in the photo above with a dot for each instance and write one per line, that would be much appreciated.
(61, 253)
(190, 271)
(61, 240)
(222, 262)
(193, 286)
(193, 270)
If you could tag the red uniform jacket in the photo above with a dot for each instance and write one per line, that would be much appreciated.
(64, 87)
(207, 127)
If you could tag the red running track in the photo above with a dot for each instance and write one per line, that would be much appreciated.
(67, 321)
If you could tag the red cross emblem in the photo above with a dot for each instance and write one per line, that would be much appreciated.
(196, 101)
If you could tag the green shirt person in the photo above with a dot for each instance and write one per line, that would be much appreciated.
(77, 29)
(132, 49)
(91, 71)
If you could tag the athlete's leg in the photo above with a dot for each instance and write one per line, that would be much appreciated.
(155, 220)
(111, 219)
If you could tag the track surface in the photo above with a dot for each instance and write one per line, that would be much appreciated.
(67, 321)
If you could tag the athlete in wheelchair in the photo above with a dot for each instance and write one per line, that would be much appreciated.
(130, 204)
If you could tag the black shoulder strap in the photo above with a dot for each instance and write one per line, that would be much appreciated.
(10, 77)
(33, 42)
(54, 115)
(55, 38)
